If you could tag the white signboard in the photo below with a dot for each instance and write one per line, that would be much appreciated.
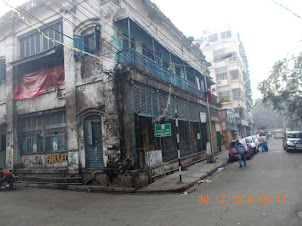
(217, 127)
(203, 117)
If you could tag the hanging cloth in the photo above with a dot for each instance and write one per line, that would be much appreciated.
(35, 83)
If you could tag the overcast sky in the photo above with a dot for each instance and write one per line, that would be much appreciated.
(268, 31)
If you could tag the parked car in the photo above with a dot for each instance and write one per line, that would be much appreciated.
(278, 134)
(233, 155)
(256, 139)
(292, 141)
(252, 141)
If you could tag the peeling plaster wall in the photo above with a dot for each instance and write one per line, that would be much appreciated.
(45, 101)
(2, 114)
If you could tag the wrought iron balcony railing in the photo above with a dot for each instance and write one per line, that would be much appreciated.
(132, 57)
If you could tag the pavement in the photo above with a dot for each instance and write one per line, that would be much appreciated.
(192, 175)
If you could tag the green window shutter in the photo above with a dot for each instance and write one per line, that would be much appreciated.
(23, 145)
(89, 133)
(78, 43)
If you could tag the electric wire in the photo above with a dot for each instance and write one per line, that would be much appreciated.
(106, 32)
(33, 17)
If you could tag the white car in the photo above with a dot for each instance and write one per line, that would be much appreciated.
(252, 141)
(256, 140)
(278, 134)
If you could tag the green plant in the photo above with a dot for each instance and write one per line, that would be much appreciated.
(124, 166)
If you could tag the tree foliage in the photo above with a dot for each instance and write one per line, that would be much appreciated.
(265, 115)
(283, 88)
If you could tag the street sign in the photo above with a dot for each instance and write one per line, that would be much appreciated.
(163, 130)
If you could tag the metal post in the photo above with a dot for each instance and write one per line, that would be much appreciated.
(172, 77)
(177, 139)
(129, 33)
(153, 47)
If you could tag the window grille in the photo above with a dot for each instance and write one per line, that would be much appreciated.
(145, 102)
(226, 34)
(221, 76)
(37, 130)
(36, 43)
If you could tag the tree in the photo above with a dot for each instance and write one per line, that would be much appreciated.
(283, 88)
(265, 115)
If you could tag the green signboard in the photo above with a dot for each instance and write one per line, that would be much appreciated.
(163, 130)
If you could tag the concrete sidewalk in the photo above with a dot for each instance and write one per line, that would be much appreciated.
(190, 176)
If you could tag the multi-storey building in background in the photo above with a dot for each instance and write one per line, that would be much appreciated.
(229, 70)
(84, 84)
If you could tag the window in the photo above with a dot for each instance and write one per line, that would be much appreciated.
(221, 76)
(234, 74)
(226, 34)
(224, 94)
(2, 69)
(219, 58)
(94, 134)
(223, 97)
(88, 41)
(236, 94)
(43, 133)
(233, 58)
(36, 43)
(213, 37)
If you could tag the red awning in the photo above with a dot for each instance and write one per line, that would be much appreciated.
(35, 83)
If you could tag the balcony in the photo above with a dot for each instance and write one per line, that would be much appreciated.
(131, 57)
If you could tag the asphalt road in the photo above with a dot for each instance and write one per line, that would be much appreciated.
(275, 173)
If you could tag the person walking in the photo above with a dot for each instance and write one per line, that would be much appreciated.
(265, 143)
(241, 153)
(261, 141)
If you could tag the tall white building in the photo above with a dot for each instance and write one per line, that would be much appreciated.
(229, 70)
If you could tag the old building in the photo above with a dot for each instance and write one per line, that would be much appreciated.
(230, 72)
(85, 84)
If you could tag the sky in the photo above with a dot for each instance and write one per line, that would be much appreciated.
(268, 31)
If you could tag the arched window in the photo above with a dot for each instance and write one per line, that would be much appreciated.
(88, 41)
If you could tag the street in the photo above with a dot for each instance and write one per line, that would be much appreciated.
(274, 173)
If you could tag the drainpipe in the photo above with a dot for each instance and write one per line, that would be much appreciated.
(172, 77)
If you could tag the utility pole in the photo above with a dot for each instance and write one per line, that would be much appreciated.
(177, 139)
